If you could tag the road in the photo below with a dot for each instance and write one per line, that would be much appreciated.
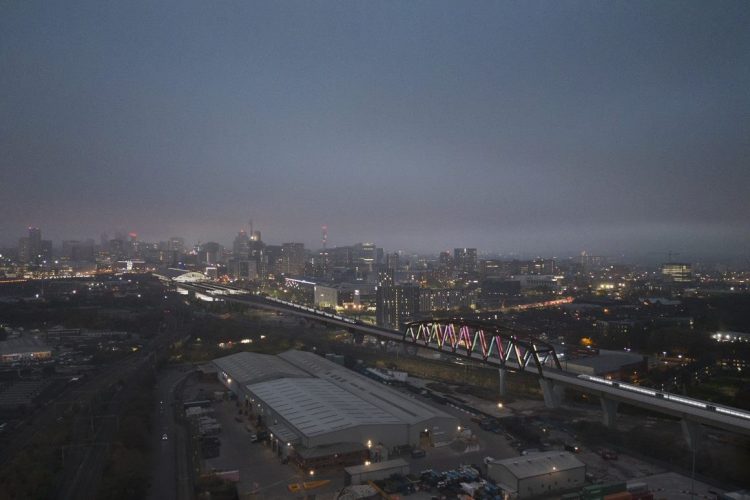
(169, 480)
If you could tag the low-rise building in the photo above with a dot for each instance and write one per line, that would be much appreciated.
(309, 403)
(539, 474)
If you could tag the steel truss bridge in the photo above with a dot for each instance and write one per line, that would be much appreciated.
(486, 341)
(508, 350)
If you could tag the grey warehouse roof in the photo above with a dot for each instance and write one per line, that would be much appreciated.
(406, 409)
(315, 406)
(538, 464)
(250, 367)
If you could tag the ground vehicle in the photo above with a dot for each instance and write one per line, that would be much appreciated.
(164, 437)
(487, 460)
(418, 453)
(573, 448)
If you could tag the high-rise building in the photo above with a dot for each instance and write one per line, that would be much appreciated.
(293, 258)
(241, 246)
(365, 255)
(78, 251)
(176, 245)
(677, 272)
(32, 249)
(210, 253)
(395, 304)
(465, 260)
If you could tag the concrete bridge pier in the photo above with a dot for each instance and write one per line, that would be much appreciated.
(553, 394)
(502, 374)
(693, 433)
(609, 412)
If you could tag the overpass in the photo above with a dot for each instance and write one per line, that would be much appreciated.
(507, 350)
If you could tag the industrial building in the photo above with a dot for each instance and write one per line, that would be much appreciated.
(539, 474)
(26, 349)
(315, 408)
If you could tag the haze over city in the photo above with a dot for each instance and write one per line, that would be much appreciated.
(532, 128)
(375, 249)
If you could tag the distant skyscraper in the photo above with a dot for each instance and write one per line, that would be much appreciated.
(241, 246)
(465, 260)
(365, 255)
(293, 258)
(677, 272)
(32, 249)
(210, 253)
(176, 245)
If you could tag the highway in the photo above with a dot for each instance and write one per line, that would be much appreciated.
(701, 412)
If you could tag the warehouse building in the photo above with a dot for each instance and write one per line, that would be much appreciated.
(539, 474)
(310, 404)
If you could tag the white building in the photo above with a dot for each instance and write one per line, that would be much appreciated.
(326, 296)
(539, 474)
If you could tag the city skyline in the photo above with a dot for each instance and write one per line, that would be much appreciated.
(547, 128)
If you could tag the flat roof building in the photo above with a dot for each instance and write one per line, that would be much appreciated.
(307, 401)
(24, 349)
(539, 474)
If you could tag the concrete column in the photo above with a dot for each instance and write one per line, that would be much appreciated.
(552, 393)
(693, 433)
(609, 412)
(502, 373)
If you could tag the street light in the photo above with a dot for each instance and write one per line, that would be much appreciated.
(500, 406)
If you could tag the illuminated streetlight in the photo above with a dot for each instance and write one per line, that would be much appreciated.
(500, 406)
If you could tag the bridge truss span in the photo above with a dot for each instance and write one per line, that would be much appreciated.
(489, 342)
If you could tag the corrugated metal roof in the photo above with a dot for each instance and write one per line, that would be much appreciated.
(406, 409)
(538, 464)
(315, 406)
(251, 367)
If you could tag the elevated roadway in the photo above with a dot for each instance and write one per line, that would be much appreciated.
(692, 412)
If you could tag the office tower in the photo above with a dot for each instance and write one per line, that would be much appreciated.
(392, 261)
(677, 272)
(32, 249)
(176, 245)
(210, 253)
(241, 246)
(364, 255)
(293, 258)
(465, 260)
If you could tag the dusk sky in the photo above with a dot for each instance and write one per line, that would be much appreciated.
(528, 126)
